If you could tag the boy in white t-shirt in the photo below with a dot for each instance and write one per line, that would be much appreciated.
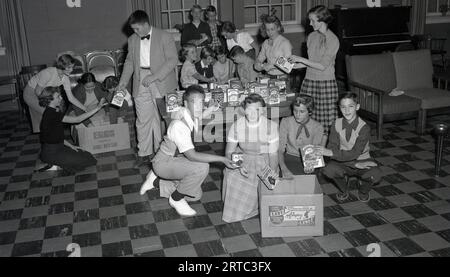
(179, 170)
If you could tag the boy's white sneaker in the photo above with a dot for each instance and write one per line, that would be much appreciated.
(148, 184)
(182, 207)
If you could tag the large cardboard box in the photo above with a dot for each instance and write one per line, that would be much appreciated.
(106, 138)
(293, 209)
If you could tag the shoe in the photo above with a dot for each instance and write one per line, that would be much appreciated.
(364, 197)
(140, 161)
(148, 184)
(182, 207)
(342, 196)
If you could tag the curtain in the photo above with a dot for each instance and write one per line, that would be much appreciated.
(152, 7)
(12, 31)
(418, 15)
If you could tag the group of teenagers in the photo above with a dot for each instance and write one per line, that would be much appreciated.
(177, 169)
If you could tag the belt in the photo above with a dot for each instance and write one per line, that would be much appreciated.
(145, 68)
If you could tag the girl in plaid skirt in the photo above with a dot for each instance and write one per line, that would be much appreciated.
(320, 80)
(257, 137)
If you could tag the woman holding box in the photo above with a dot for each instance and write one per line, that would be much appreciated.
(320, 80)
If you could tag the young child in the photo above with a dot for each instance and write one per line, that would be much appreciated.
(204, 67)
(223, 67)
(179, 170)
(257, 137)
(245, 65)
(55, 150)
(348, 148)
(116, 114)
(296, 132)
(188, 56)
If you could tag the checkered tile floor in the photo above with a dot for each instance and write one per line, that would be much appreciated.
(101, 209)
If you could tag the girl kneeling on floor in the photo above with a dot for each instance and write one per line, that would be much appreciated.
(55, 150)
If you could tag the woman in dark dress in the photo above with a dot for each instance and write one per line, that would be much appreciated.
(55, 150)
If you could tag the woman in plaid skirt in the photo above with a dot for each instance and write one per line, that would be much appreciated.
(320, 80)
(257, 138)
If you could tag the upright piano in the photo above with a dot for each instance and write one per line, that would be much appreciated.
(369, 31)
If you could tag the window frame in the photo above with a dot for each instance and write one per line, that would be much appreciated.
(294, 26)
(172, 30)
(436, 17)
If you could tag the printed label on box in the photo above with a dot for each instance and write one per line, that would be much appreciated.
(289, 216)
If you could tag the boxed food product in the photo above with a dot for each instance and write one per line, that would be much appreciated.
(104, 138)
(312, 157)
(118, 99)
(283, 64)
(236, 84)
(264, 80)
(233, 96)
(219, 96)
(224, 87)
(269, 177)
(293, 209)
(237, 158)
(174, 101)
(274, 95)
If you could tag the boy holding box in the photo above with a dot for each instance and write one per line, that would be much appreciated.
(348, 148)
(245, 65)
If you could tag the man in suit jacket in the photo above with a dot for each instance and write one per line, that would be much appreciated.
(152, 58)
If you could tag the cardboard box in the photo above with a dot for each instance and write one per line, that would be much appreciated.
(293, 209)
(103, 139)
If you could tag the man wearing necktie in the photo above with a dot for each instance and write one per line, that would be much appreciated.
(151, 60)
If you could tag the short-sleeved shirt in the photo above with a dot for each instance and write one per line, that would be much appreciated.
(289, 141)
(281, 47)
(246, 71)
(264, 134)
(187, 74)
(322, 48)
(180, 133)
(244, 40)
(49, 77)
(223, 71)
(52, 130)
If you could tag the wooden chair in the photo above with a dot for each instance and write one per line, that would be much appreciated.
(436, 46)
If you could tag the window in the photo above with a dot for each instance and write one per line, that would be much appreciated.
(175, 12)
(286, 10)
(434, 13)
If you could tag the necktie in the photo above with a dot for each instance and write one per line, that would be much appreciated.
(146, 37)
(301, 127)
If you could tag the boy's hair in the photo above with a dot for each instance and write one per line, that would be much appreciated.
(228, 27)
(64, 61)
(138, 17)
(206, 52)
(211, 8)
(47, 96)
(236, 51)
(220, 50)
(305, 100)
(194, 89)
(196, 7)
(349, 95)
(322, 13)
(87, 77)
(185, 50)
(270, 19)
(253, 98)
(110, 82)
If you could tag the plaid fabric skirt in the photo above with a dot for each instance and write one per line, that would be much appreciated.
(325, 95)
(240, 194)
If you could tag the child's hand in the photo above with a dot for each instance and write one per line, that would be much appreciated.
(244, 172)
(102, 103)
(294, 59)
(229, 163)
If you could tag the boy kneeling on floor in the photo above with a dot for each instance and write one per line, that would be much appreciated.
(348, 147)
(179, 170)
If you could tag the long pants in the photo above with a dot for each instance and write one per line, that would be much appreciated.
(339, 171)
(178, 173)
(148, 122)
(66, 157)
(36, 111)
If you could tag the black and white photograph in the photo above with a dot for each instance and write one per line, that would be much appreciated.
(224, 130)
